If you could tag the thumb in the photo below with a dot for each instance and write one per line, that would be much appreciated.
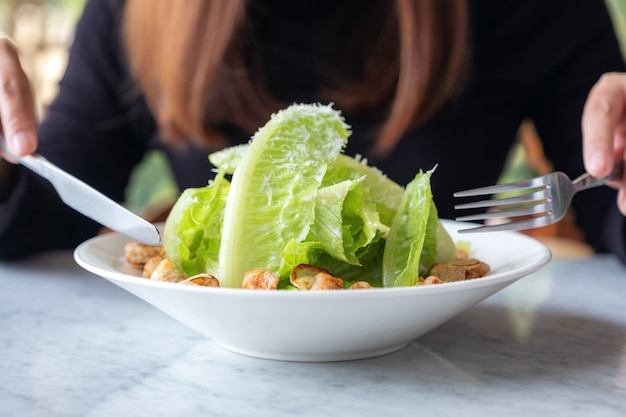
(17, 115)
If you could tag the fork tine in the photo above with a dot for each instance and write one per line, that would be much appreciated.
(501, 188)
(539, 208)
(496, 202)
(513, 225)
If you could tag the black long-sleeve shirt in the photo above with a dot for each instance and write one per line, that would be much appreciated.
(534, 59)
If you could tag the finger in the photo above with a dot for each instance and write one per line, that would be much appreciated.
(621, 198)
(602, 122)
(17, 116)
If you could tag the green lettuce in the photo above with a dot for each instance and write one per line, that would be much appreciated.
(295, 198)
(272, 196)
(193, 228)
(401, 259)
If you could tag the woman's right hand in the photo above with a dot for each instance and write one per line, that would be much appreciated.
(17, 107)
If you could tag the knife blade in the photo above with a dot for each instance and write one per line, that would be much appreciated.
(89, 201)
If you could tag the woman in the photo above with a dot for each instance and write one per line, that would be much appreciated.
(420, 82)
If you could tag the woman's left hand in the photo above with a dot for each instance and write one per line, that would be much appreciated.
(604, 129)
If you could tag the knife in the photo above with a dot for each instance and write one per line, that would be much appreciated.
(88, 201)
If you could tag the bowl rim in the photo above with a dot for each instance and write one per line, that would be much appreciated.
(541, 256)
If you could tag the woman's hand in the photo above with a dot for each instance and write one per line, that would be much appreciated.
(17, 110)
(604, 129)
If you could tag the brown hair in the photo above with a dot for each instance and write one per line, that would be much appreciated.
(190, 60)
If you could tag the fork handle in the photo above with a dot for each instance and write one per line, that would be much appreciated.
(586, 181)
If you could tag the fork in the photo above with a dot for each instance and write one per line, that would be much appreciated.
(538, 202)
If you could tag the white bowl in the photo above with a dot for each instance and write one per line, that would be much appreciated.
(321, 325)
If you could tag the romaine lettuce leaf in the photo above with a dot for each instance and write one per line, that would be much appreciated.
(194, 227)
(346, 223)
(385, 193)
(446, 247)
(405, 242)
(272, 197)
(429, 248)
(346, 220)
(229, 158)
(312, 253)
(329, 228)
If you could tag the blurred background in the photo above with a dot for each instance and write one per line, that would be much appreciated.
(42, 30)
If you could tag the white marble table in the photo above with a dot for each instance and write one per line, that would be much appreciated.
(71, 344)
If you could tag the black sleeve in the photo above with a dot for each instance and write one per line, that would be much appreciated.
(581, 45)
(97, 128)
